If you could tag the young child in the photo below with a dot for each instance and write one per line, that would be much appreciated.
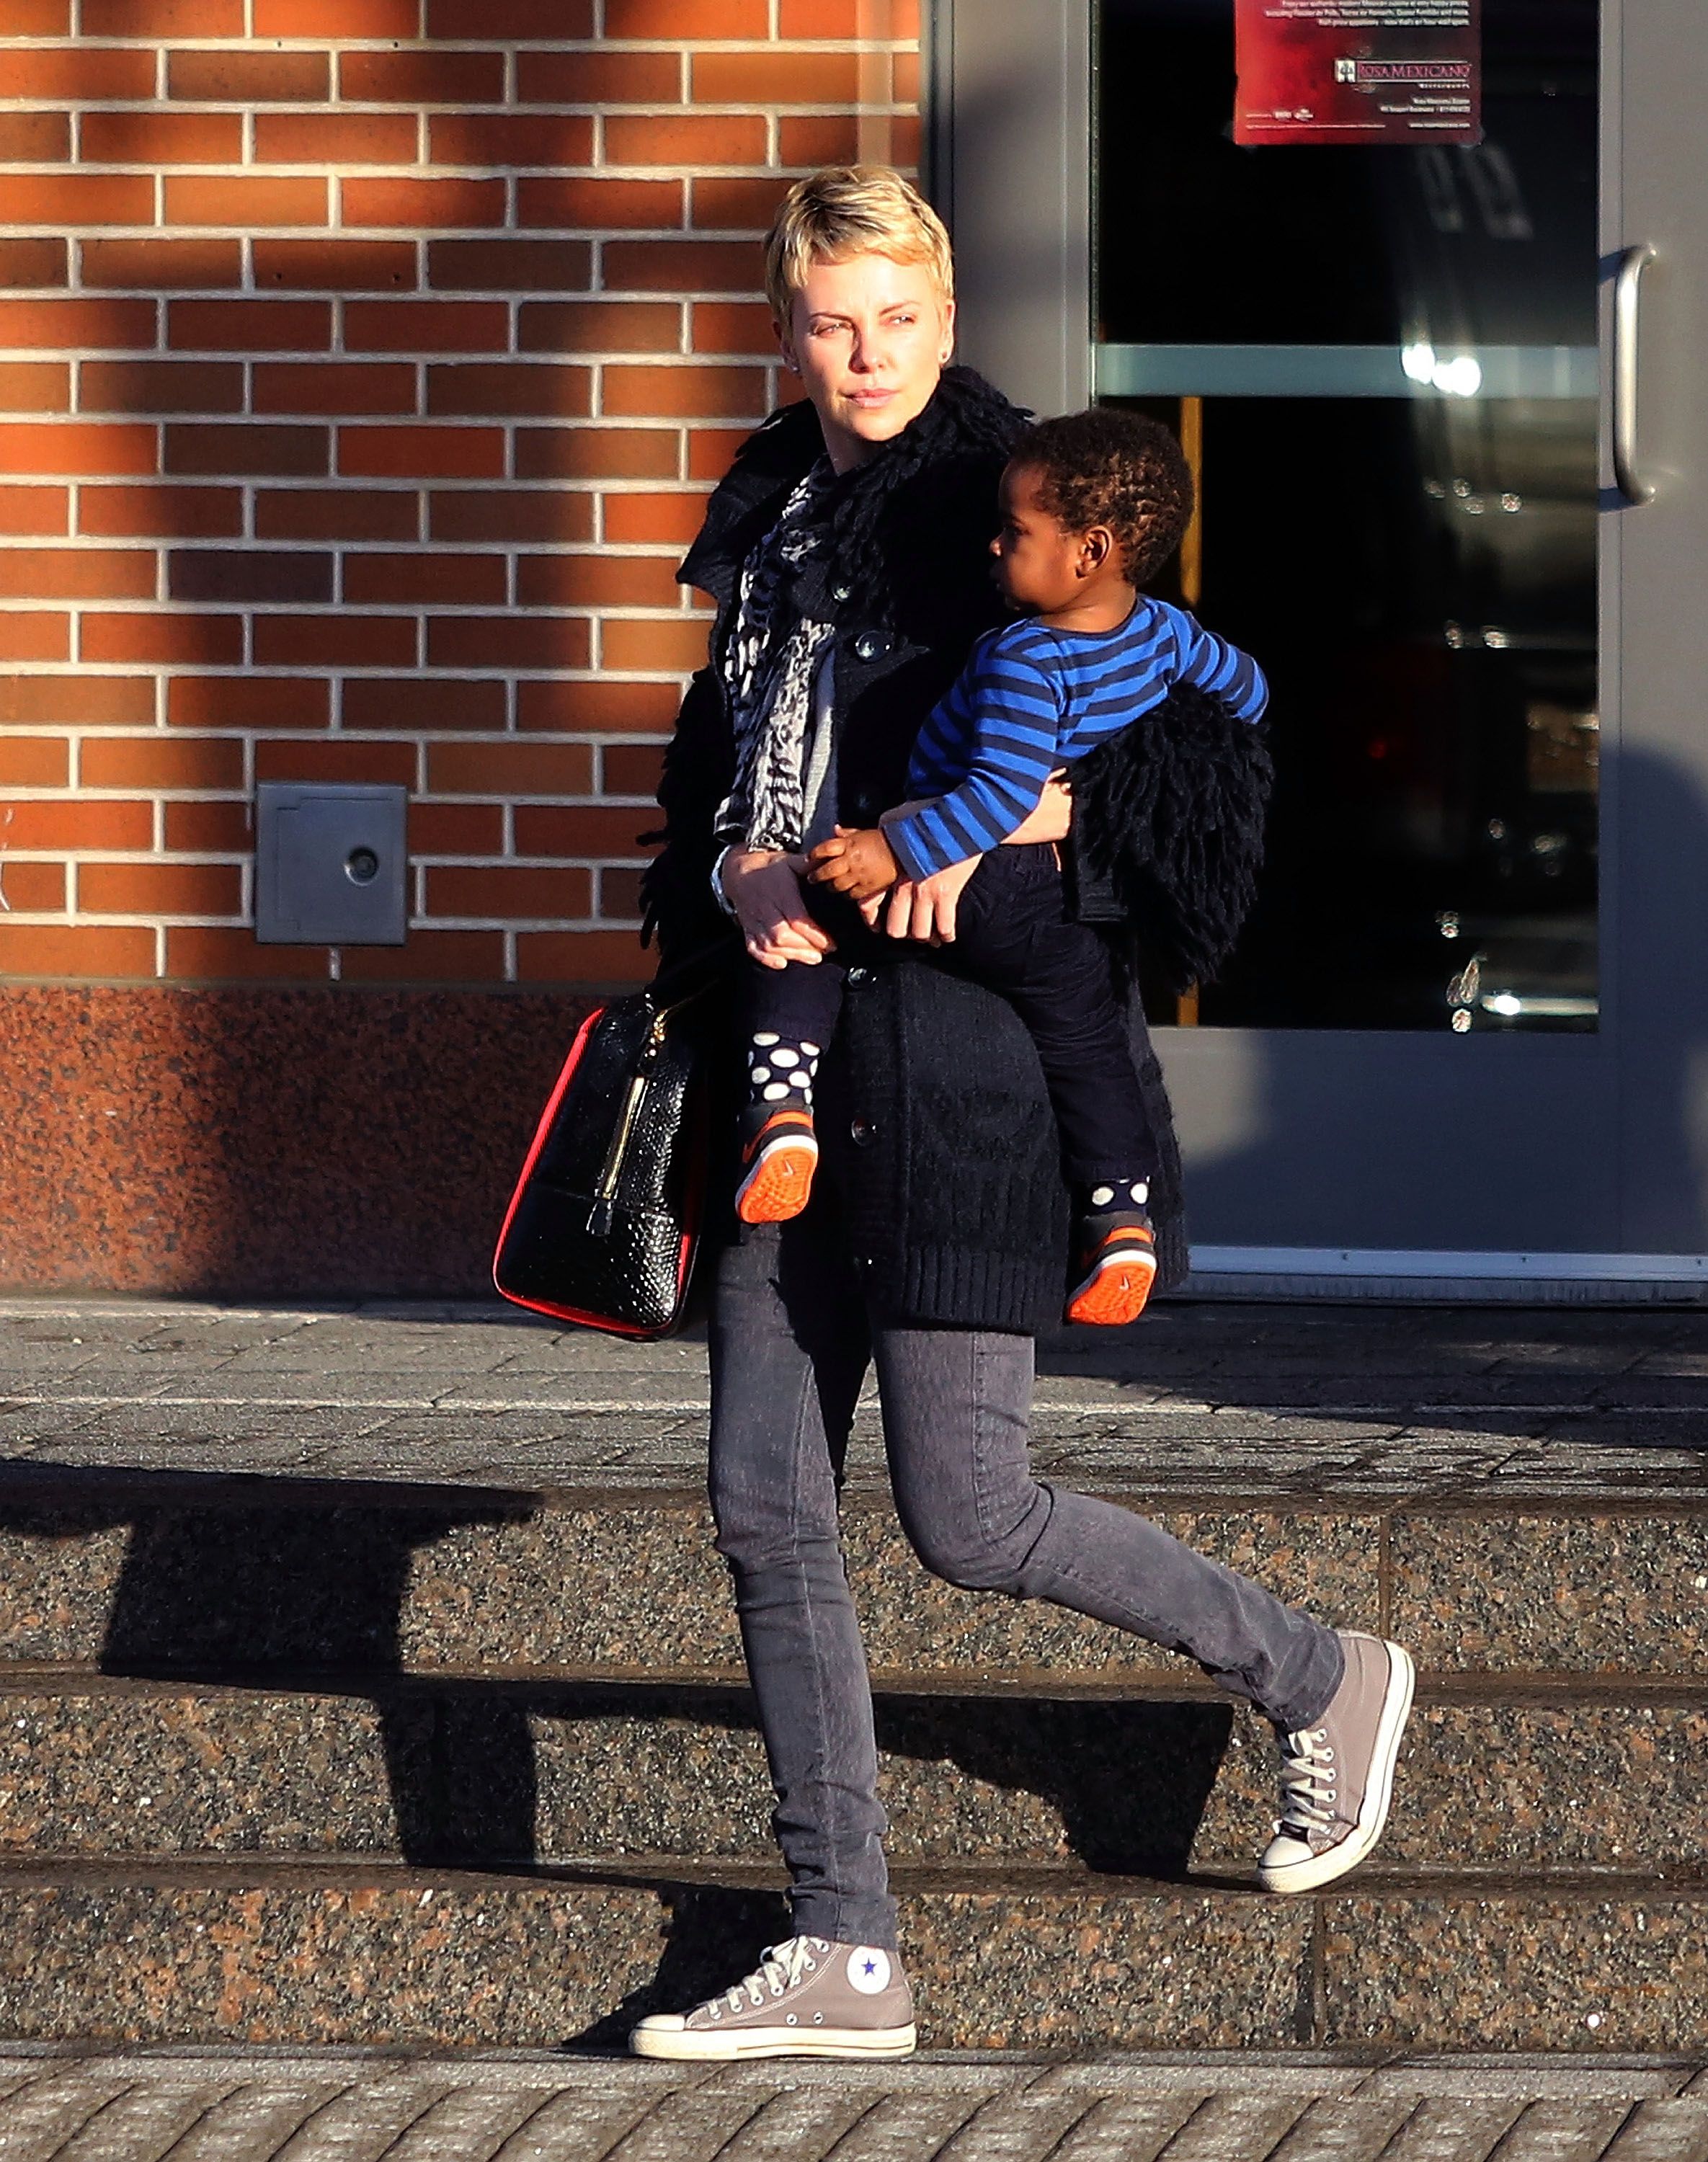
(1093, 503)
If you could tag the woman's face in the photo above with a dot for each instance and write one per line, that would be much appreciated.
(868, 339)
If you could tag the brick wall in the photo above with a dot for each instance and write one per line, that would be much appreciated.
(364, 365)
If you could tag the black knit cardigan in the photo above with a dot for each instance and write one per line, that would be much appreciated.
(935, 1128)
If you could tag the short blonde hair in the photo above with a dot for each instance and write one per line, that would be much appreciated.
(842, 211)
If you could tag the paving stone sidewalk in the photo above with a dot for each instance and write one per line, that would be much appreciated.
(218, 2106)
(1320, 1400)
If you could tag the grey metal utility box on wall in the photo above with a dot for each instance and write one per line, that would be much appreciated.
(332, 864)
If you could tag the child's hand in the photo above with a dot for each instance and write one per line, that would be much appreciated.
(858, 862)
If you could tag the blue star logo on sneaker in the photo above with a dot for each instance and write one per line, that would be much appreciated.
(868, 1969)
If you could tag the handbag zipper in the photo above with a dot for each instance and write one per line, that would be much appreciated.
(600, 1215)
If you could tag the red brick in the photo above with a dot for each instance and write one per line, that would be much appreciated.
(246, 201)
(337, 18)
(75, 825)
(248, 701)
(653, 646)
(208, 829)
(904, 20)
(408, 453)
(631, 770)
(431, 957)
(87, 953)
(582, 957)
(161, 138)
(508, 891)
(33, 889)
(476, 641)
(596, 581)
(34, 762)
(609, 707)
(600, 205)
(685, 138)
(217, 640)
(554, 21)
(690, 392)
(246, 448)
(34, 386)
(619, 893)
(334, 387)
(509, 139)
(906, 136)
(90, 324)
(37, 510)
(422, 78)
(79, 74)
(456, 829)
(34, 635)
(336, 138)
(80, 701)
(32, 262)
(509, 769)
(597, 454)
(776, 78)
(692, 20)
(69, 574)
(733, 326)
(545, 514)
(162, 19)
(77, 448)
(509, 266)
(34, 138)
(672, 520)
(35, 18)
(159, 889)
(339, 266)
(160, 386)
(248, 574)
(250, 325)
(682, 266)
(904, 88)
(423, 327)
(548, 830)
(249, 77)
(306, 758)
(151, 265)
(509, 387)
(148, 512)
(598, 78)
(736, 205)
(418, 204)
(577, 326)
(820, 18)
(214, 954)
(423, 702)
(335, 513)
(433, 580)
(159, 761)
(832, 138)
(336, 640)
(710, 451)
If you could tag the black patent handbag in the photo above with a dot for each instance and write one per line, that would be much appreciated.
(603, 1226)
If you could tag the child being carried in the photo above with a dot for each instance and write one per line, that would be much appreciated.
(1093, 503)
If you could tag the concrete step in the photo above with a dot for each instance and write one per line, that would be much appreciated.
(1002, 1959)
(485, 1775)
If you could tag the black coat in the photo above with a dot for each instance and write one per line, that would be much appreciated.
(934, 1126)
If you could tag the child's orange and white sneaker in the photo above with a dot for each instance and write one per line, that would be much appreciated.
(779, 1156)
(1117, 1257)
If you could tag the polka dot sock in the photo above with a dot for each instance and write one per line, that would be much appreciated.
(1123, 1193)
(780, 1070)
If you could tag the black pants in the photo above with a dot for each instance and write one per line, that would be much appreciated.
(1014, 934)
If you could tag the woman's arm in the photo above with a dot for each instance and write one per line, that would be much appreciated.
(763, 888)
(926, 908)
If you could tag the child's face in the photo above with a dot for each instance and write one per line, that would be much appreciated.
(1040, 567)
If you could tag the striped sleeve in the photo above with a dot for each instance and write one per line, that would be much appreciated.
(1004, 719)
(1212, 664)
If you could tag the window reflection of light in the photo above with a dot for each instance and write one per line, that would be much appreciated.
(1460, 377)
(1504, 1004)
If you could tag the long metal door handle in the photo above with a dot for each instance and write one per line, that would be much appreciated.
(1627, 286)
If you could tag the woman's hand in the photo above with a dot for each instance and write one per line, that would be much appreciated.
(763, 886)
(924, 910)
(1049, 817)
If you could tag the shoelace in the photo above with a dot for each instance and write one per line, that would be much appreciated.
(1308, 1782)
(780, 1968)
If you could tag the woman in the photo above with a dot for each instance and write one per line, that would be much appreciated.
(847, 553)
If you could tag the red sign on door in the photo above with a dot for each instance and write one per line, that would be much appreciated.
(1358, 72)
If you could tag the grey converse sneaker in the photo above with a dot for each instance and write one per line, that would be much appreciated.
(1337, 1777)
(806, 1998)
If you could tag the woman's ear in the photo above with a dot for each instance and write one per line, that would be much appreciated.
(947, 352)
(785, 346)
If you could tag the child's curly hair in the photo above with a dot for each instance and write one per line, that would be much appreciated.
(1108, 467)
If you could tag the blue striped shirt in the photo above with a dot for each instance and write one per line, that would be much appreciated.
(1031, 699)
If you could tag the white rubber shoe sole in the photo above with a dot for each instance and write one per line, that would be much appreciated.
(1315, 1870)
(666, 2036)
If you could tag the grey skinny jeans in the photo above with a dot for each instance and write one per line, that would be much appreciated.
(790, 1341)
